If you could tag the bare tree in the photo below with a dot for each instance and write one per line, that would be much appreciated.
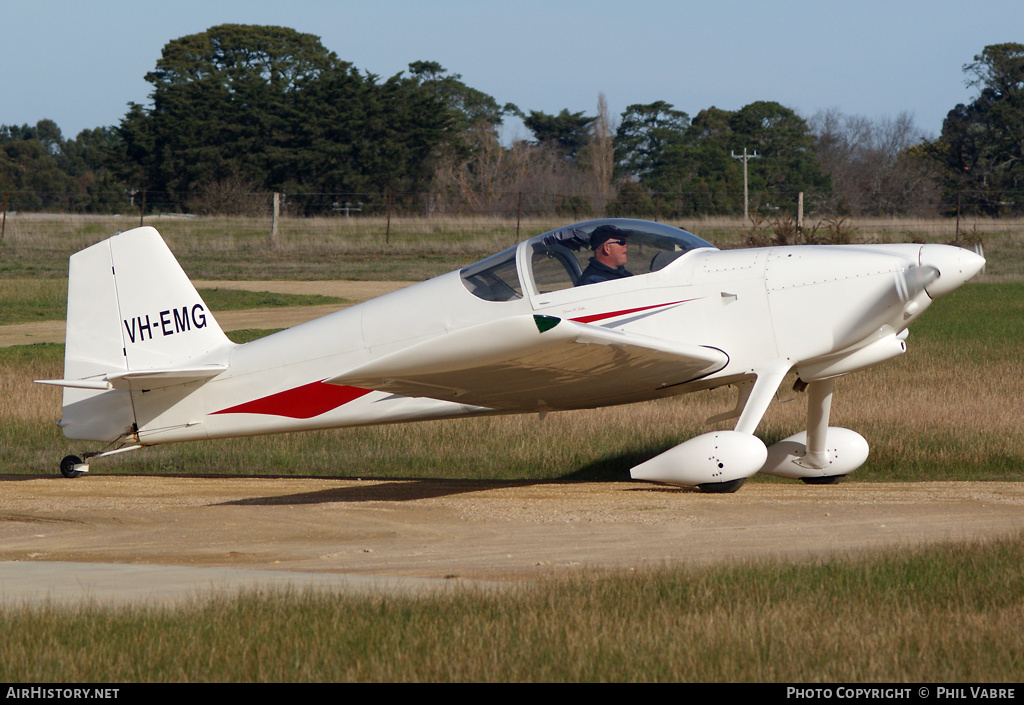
(499, 180)
(598, 157)
(231, 195)
(872, 164)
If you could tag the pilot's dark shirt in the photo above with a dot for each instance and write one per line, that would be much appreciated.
(597, 272)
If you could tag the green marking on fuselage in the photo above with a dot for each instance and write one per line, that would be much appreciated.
(545, 323)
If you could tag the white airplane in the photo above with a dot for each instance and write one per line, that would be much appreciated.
(146, 363)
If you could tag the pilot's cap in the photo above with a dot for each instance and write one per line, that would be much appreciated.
(604, 233)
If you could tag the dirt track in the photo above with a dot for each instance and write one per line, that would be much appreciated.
(477, 530)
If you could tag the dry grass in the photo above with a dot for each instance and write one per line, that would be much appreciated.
(408, 248)
(947, 614)
(886, 229)
(20, 399)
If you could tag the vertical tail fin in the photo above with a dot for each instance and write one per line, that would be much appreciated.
(135, 323)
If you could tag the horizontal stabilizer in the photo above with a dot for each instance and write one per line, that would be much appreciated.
(536, 362)
(139, 379)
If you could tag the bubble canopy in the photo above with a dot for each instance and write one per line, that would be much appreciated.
(556, 258)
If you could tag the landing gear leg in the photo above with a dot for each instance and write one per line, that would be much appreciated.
(72, 466)
(819, 405)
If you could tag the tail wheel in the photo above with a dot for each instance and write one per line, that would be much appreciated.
(67, 466)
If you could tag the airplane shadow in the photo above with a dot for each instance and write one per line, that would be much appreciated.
(611, 469)
(385, 490)
(389, 489)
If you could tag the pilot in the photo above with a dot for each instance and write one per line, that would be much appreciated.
(609, 261)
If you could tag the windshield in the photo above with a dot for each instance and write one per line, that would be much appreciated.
(495, 278)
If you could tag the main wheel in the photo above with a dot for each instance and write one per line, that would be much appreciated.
(67, 466)
(822, 479)
(721, 487)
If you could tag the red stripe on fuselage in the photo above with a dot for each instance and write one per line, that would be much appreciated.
(623, 312)
(303, 402)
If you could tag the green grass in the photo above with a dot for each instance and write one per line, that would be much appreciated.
(981, 323)
(947, 614)
(247, 335)
(30, 300)
(239, 300)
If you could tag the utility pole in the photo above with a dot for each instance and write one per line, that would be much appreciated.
(745, 157)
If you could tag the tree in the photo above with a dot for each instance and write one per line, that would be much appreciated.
(999, 68)
(29, 167)
(468, 133)
(981, 148)
(875, 166)
(95, 150)
(272, 107)
(597, 157)
(688, 164)
(645, 135)
(569, 132)
(222, 102)
(43, 171)
(510, 180)
(469, 107)
(788, 163)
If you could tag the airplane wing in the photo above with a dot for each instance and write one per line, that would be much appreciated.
(536, 363)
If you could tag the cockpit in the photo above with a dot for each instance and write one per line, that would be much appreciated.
(557, 258)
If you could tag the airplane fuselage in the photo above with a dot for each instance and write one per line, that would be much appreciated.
(791, 304)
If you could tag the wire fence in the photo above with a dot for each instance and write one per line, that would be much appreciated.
(632, 202)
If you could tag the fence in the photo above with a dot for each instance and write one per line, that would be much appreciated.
(631, 200)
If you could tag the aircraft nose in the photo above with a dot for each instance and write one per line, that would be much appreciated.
(955, 264)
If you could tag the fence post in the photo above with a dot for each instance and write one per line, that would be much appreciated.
(142, 208)
(273, 220)
(958, 193)
(519, 213)
(387, 231)
(3, 227)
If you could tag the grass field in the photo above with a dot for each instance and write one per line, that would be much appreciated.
(407, 249)
(948, 409)
(944, 615)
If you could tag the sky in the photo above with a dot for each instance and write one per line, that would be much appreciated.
(81, 63)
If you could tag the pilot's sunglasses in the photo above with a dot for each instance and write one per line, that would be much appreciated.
(617, 242)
